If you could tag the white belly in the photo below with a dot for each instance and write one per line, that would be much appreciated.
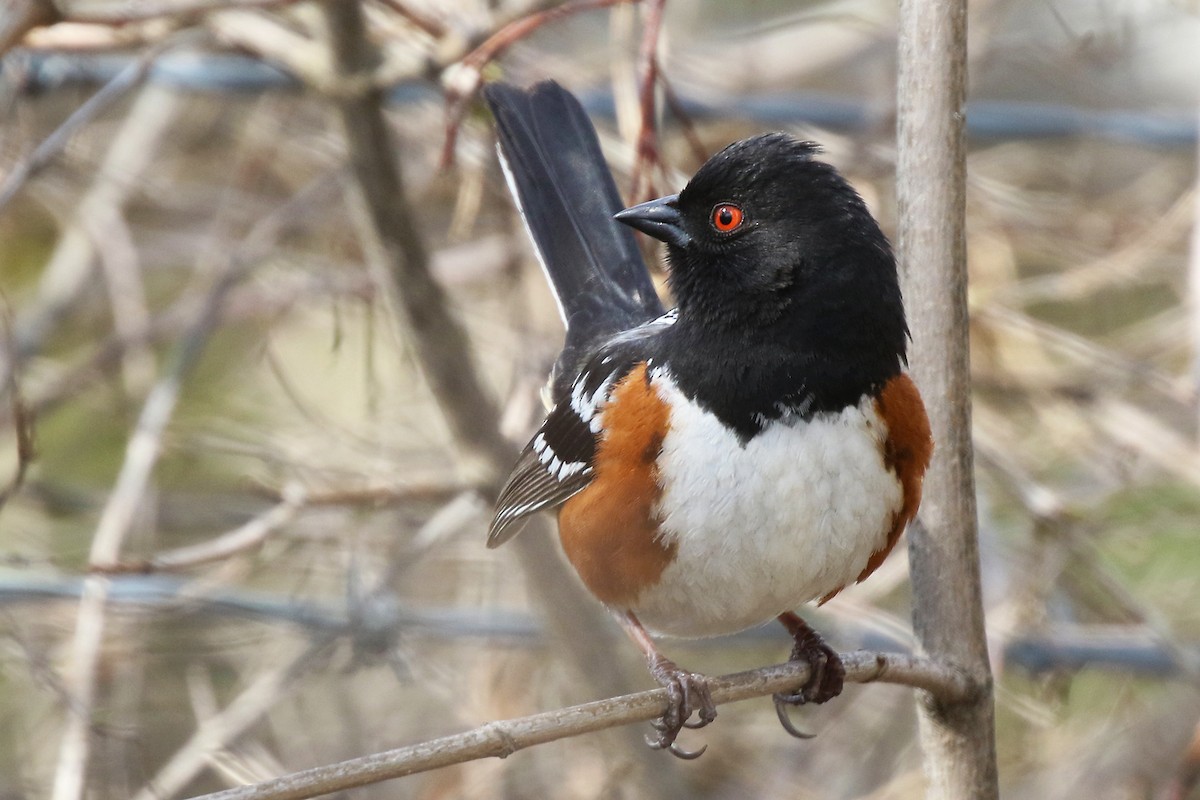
(790, 516)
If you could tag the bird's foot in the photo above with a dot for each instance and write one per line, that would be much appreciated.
(826, 673)
(687, 692)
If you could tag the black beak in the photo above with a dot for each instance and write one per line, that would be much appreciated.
(658, 218)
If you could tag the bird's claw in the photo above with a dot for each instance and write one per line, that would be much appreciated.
(826, 678)
(782, 701)
(687, 692)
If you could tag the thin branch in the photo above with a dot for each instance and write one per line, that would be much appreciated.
(22, 417)
(467, 77)
(217, 732)
(388, 228)
(247, 303)
(275, 43)
(646, 157)
(502, 739)
(1133, 264)
(245, 537)
(141, 456)
(128, 78)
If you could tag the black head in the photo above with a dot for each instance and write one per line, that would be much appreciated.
(766, 238)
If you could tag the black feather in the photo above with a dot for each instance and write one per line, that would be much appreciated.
(533, 486)
(568, 198)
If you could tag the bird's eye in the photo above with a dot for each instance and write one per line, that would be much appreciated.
(726, 217)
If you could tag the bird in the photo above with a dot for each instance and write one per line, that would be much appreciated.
(757, 447)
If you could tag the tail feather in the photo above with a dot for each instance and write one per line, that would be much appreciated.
(567, 197)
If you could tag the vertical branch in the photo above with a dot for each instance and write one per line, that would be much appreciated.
(646, 156)
(67, 274)
(131, 154)
(141, 456)
(441, 345)
(957, 736)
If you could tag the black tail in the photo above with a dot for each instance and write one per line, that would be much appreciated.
(567, 198)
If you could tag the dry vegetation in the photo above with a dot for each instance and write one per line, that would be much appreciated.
(239, 536)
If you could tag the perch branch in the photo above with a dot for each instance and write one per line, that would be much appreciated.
(502, 739)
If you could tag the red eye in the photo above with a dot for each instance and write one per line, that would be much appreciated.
(727, 217)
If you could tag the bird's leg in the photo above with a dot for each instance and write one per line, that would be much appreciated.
(686, 692)
(826, 674)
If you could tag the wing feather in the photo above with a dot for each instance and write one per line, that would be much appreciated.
(558, 461)
(554, 466)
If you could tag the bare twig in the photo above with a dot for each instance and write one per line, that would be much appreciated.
(71, 264)
(270, 39)
(110, 239)
(249, 536)
(1139, 431)
(22, 417)
(699, 151)
(646, 157)
(502, 739)
(74, 255)
(388, 225)
(52, 145)
(1132, 264)
(467, 76)
(22, 421)
(141, 455)
(245, 303)
(218, 731)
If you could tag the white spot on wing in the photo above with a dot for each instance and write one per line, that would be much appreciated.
(584, 404)
(572, 469)
(543, 450)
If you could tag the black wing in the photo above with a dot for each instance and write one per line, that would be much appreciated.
(558, 462)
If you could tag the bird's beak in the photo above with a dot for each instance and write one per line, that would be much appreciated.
(658, 218)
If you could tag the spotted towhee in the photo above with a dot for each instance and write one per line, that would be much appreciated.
(755, 448)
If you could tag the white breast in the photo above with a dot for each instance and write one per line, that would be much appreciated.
(765, 526)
